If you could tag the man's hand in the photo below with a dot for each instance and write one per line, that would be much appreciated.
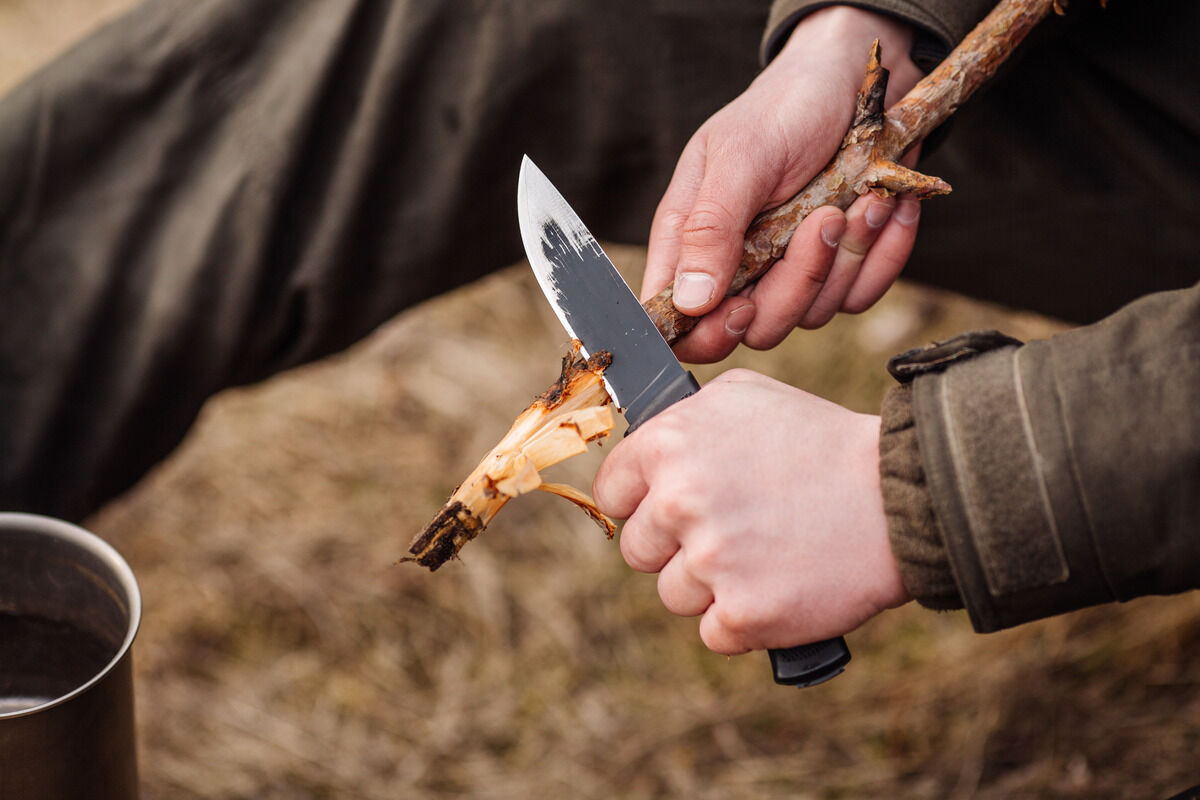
(756, 153)
(759, 506)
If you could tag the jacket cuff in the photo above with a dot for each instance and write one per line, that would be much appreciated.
(941, 24)
(1014, 530)
(912, 526)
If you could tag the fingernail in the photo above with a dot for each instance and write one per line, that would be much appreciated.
(908, 211)
(739, 319)
(832, 230)
(693, 289)
(877, 214)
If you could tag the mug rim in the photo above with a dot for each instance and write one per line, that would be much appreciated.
(108, 555)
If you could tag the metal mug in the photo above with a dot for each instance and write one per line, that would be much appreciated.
(69, 610)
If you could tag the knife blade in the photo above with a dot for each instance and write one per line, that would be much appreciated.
(594, 304)
(597, 307)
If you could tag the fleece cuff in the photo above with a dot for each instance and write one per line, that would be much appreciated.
(912, 526)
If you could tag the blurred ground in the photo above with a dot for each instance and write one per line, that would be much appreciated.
(283, 655)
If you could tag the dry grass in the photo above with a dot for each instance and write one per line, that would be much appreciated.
(283, 655)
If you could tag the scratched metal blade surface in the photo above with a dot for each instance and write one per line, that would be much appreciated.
(590, 297)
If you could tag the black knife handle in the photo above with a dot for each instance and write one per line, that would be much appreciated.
(810, 664)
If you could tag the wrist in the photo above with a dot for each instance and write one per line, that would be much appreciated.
(843, 35)
(888, 583)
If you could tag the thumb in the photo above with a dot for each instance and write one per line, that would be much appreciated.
(710, 244)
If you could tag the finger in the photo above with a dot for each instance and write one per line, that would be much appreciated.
(681, 593)
(718, 636)
(717, 333)
(645, 546)
(621, 489)
(865, 220)
(662, 252)
(620, 485)
(887, 257)
(785, 293)
(710, 242)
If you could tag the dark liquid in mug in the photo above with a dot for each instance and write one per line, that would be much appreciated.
(42, 659)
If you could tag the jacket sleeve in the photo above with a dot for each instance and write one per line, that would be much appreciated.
(1054, 475)
(204, 192)
(941, 24)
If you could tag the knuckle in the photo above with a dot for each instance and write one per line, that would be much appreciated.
(665, 437)
(818, 314)
(814, 276)
(773, 324)
(635, 552)
(716, 640)
(600, 493)
(708, 225)
(766, 340)
(739, 619)
(673, 219)
(671, 511)
(856, 246)
(704, 556)
(675, 596)
(857, 305)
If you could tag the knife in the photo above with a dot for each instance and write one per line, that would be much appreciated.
(597, 307)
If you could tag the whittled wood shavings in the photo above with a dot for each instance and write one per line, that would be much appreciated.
(559, 424)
